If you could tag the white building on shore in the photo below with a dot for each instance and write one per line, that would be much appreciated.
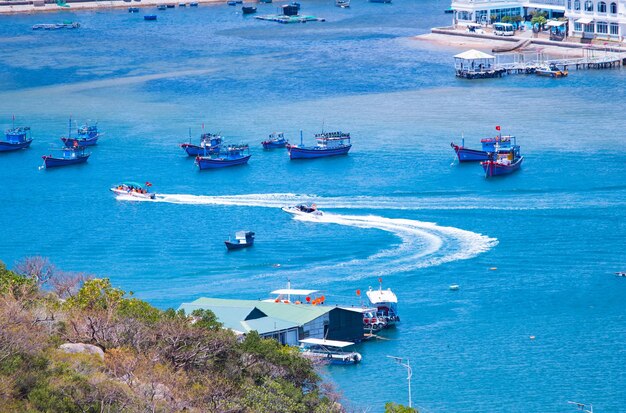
(588, 19)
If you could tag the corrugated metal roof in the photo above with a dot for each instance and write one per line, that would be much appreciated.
(298, 314)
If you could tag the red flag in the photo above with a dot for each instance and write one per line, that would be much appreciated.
(380, 280)
(148, 184)
(498, 127)
(358, 292)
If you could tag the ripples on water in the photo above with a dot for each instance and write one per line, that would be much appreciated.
(395, 206)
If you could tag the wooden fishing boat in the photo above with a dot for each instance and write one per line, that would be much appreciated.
(503, 161)
(15, 139)
(209, 144)
(243, 239)
(488, 145)
(275, 140)
(233, 155)
(328, 144)
(69, 156)
(87, 136)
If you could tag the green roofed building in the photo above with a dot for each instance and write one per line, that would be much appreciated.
(285, 322)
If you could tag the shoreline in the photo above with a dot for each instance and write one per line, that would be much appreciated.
(6, 9)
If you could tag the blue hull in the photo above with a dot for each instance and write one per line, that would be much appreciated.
(306, 153)
(56, 162)
(470, 155)
(274, 145)
(495, 169)
(195, 150)
(208, 163)
(14, 146)
(69, 142)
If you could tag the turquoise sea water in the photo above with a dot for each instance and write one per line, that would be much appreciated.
(396, 207)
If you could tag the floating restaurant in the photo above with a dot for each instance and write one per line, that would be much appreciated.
(284, 321)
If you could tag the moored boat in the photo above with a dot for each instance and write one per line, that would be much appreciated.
(344, 4)
(231, 156)
(551, 70)
(133, 9)
(303, 209)
(503, 161)
(209, 144)
(243, 239)
(87, 136)
(275, 140)
(488, 145)
(15, 139)
(161, 7)
(328, 144)
(248, 9)
(69, 156)
(385, 302)
(150, 17)
(329, 351)
(380, 1)
(134, 189)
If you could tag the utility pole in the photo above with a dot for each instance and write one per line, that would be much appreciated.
(400, 360)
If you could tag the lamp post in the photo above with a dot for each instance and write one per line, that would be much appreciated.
(400, 360)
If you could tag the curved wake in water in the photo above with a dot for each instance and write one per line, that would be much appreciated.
(424, 244)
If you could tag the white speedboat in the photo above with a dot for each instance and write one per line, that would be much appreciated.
(303, 210)
(134, 189)
(329, 351)
(386, 302)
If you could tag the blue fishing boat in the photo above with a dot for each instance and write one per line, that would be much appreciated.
(275, 140)
(243, 239)
(209, 144)
(133, 9)
(161, 7)
(69, 156)
(231, 156)
(16, 138)
(503, 161)
(150, 17)
(344, 4)
(231, 3)
(488, 145)
(87, 136)
(193, 4)
(328, 144)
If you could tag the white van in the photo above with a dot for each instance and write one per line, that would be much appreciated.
(503, 29)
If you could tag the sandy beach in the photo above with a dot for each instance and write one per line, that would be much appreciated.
(91, 5)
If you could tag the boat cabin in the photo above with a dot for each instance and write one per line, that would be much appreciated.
(332, 139)
(17, 135)
(490, 143)
(244, 237)
(89, 131)
(209, 139)
(72, 153)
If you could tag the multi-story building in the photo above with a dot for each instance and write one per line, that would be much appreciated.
(590, 19)
(484, 11)
(603, 19)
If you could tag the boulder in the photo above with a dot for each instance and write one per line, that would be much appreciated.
(74, 348)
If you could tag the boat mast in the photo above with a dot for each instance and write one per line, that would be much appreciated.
(69, 132)
(301, 137)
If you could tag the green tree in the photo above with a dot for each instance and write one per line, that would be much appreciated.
(392, 407)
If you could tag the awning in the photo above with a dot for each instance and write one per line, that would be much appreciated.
(474, 55)
(584, 20)
(556, 23)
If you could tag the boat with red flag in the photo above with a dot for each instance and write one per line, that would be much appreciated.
(15, 139)
(210, 143)
(488, 145)
(69, 156)
(134, 189)
(87, 135)
(503, 161)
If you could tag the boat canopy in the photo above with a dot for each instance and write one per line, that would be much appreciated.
(381, 296)
(327, 343)
(243, 234)
(287, 291)
(135, 184)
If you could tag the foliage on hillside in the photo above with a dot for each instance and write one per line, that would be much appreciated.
(154, 361)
